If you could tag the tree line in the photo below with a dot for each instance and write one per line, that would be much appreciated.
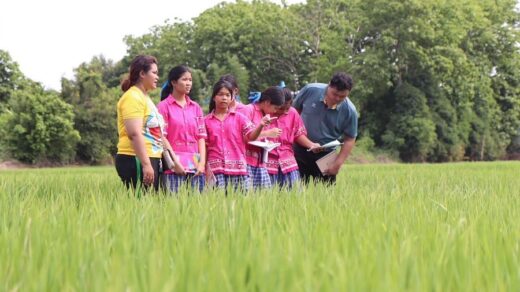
(436, 80)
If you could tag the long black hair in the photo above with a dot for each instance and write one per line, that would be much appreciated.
(274, 95)
(231, 79)
(287, 95)
(216, 88)
(174, 75)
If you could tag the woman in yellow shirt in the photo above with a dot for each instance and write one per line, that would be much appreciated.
(140, 126)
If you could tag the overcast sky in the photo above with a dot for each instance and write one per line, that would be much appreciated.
(48, 38)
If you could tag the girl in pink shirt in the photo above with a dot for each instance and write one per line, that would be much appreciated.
(235, 104)
(287, 129)
(184, 129)
(270, 101)
(228, 132)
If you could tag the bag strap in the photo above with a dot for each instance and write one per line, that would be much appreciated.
(139, 168)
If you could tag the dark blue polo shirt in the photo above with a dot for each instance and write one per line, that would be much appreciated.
(325, 124)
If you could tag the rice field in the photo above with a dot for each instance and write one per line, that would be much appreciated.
(446, 227)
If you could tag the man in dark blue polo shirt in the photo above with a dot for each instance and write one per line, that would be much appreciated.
(328, 115)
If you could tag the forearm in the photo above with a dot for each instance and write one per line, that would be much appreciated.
(140, 149)
(304, 141)
(264, 134)
(202, 151)
(256, 133)
(168, 146)
(346, 149)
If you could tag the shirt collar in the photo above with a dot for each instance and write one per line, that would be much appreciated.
(171, 100)
(257, 107)
(212, 114)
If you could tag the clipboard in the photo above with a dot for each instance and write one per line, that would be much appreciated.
(326, 161)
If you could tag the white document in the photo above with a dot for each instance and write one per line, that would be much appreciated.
(266, 146)
(326, 161)
(332, 144)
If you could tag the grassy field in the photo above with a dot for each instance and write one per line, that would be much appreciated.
(451, 227)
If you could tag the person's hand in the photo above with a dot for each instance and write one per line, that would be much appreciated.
(148, 174)
(273, 133)
(179, 169)
(200, 169)
(315, 148)
(266, 120)
(334, 168)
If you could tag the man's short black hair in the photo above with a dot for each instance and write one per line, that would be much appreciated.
(341, 81)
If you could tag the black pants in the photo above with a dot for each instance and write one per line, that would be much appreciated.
(126, 167)
(308, 168)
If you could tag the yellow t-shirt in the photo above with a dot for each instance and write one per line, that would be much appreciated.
(135, 104)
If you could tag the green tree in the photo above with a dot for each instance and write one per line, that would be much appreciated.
(264, 37)
(94, 109)
(447, 51)
(11, 78)
(410, 130)
(39, 127)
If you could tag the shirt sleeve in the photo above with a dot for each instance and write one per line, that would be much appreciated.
(162, 107)
(246, 125)
(300, 98)
(201, 127)
(298, 126)
(248, 111)
(351, 124)
(206, 127)
(132, 107)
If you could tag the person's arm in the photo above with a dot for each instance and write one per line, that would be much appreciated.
(202, 135)
(300, 135)
(266, 120)
(201, 166)
(177, 168)
(271, 133)
(304, 141)
(346, 149)
(299, 99)
(255, 133)
(133, 129)
(350, 133)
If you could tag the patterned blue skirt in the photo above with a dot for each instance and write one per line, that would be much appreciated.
(259, 176)
(237, 182)
(288, 180)
(174, 182)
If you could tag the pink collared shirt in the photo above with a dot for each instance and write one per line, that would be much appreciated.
(184, 126)
(282, 157)
(253, 153)
(226, 143)
(241, 108)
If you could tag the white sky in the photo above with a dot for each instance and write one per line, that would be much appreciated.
(48, 38)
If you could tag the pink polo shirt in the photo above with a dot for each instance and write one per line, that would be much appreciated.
(253, 153)
(241, 108)
(282, 156)
(184, 126)
(226, 143)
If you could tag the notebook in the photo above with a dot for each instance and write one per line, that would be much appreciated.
(326, 161)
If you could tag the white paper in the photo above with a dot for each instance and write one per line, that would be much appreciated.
(332, 144)
(266, 146)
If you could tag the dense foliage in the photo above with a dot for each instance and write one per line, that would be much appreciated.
(436, 80)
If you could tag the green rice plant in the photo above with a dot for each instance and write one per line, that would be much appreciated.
(445, 227)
